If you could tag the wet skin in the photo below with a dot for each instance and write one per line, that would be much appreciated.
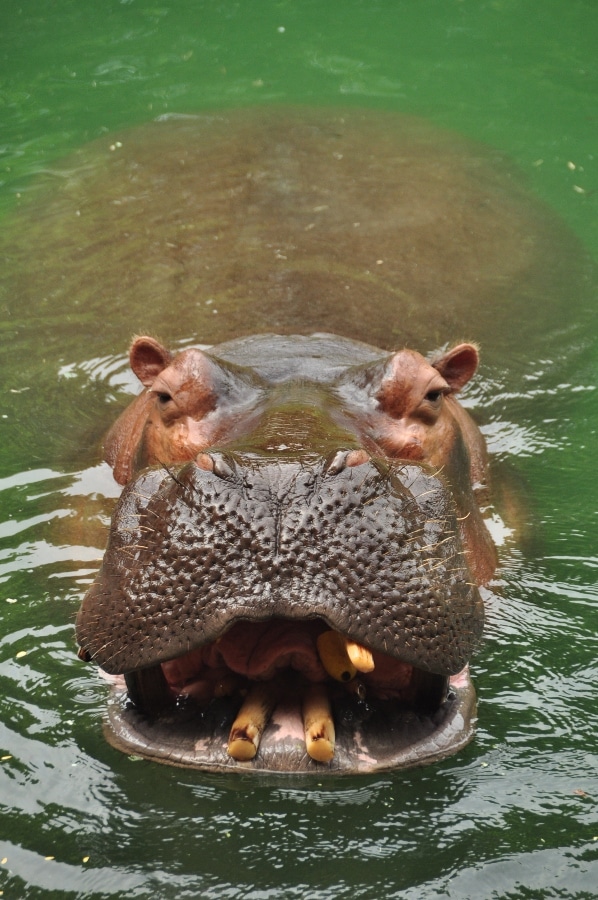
(291, 486)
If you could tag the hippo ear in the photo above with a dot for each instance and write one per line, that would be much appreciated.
(148, 358)
(458, 365)
(122, 441)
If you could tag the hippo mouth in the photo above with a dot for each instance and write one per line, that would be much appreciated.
(290, 696)
(280, 617)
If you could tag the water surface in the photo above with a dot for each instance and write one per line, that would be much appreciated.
(515, 814)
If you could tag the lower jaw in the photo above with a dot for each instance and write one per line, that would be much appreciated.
(386, 736)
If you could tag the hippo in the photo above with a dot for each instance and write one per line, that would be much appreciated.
(291, 579)
(294, 571)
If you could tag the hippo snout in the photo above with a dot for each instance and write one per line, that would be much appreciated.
(225, 572)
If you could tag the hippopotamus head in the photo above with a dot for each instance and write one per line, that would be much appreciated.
(292, 573)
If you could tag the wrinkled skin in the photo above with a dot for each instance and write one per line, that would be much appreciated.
(289, 486)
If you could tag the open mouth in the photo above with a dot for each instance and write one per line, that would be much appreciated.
(234, 604)
(287, 696)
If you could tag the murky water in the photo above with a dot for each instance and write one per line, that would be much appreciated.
(513, 816)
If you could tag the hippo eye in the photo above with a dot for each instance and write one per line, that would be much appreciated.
(163, 397)
(433, 396)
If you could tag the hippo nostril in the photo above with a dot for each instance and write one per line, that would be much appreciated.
(343, 459)
(357, 458)
(221, 467)
(337, 463)
(204, 461)
(214, 462)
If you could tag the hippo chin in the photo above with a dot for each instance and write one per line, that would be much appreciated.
(291, 579)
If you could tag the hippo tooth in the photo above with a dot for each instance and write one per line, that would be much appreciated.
(332, 650)
(148, 690)
(252, 718)
(360, 656)
(317, 724)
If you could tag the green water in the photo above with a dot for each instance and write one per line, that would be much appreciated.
(515, 815)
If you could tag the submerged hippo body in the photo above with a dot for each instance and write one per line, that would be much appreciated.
(284, 487)
(292, 487)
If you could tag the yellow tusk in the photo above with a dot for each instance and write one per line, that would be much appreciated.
(254, 715)
(317, 724)
(332, 651)
(360, 656)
